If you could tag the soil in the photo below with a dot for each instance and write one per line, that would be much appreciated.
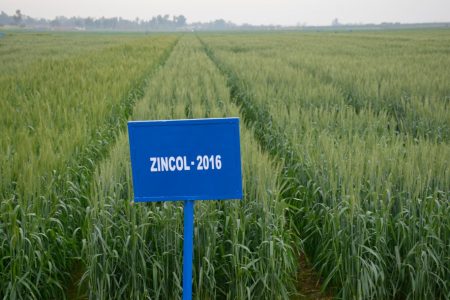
(74, 290)
(309, 282)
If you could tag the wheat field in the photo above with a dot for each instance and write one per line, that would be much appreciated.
(345, 158)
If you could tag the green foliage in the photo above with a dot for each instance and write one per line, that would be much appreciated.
(243, 250)
(345, 146)
(364, 139)
(60, 113)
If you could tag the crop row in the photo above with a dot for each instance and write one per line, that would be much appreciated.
(372, 201)
(60, 114)
(242, 249)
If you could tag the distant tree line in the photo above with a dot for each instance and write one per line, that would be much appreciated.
(156, 23)
(159, 22)
(175, 23)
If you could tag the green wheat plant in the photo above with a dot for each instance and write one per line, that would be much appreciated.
(364, 138)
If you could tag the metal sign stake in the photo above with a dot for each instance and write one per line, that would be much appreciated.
(188, 245)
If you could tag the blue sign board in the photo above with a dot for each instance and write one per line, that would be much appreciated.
(196, 159)
(186, 160)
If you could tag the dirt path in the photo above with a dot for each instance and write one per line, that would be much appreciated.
(309, 282)
(74, 291)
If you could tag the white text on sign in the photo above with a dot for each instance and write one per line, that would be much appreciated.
(181, 163)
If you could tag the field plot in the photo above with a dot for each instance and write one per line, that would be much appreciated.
(243, 250)
(362, 122)
(62, 100)
(345, 150)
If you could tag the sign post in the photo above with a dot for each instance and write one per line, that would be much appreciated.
(188, 248)
(186, 160)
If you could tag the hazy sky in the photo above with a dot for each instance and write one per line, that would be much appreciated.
(284, 12)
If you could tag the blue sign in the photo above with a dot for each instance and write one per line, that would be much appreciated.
(195, 159)
(186, 160)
